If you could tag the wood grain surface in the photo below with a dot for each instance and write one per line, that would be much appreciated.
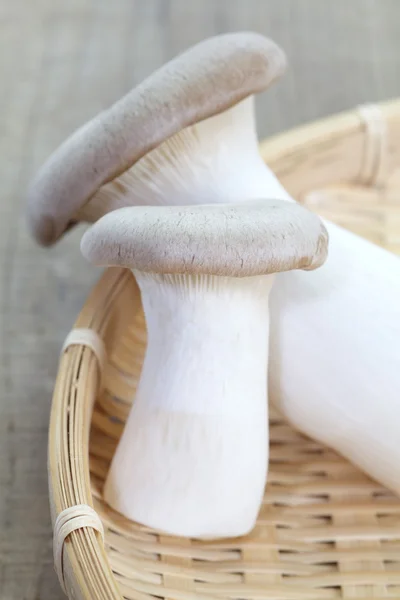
(60, 63)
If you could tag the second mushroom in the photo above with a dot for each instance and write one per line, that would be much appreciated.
(193, 456)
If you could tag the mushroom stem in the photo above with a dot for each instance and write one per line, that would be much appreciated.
(200, 407)
(343, 323)
(217, 159)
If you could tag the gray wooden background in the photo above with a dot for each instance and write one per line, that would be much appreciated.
(60, 63)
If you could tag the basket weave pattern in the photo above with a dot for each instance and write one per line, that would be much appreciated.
(325, 530)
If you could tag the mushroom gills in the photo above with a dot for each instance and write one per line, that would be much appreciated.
(217, 159)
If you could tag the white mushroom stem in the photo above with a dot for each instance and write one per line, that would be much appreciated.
(335, 366)
(217, 159)
(193, 456)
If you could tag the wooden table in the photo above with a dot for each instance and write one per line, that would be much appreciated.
(60, 63)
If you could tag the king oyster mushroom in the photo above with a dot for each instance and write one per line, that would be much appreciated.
(174, 139)
(192, 459)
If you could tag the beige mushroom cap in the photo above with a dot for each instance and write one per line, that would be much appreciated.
(203, 81)
(237, 240)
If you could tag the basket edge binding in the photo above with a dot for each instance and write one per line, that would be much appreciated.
(356, 146)
(86, 570)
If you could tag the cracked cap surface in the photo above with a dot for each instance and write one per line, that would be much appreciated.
(238, 240)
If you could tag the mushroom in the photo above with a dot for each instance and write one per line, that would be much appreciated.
(192, 459)
(175, 139)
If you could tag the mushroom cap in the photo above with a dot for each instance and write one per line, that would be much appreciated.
(205, 80)
(237, 240)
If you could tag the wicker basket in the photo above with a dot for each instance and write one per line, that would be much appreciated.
(325, 529)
